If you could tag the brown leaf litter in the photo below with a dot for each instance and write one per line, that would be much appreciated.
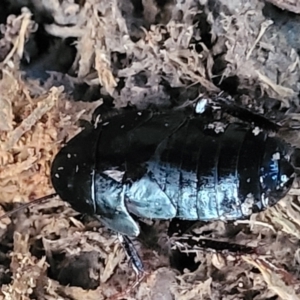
(51, 252)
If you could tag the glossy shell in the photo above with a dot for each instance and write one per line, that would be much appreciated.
(167, 165)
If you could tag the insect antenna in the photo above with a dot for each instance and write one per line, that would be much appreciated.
(25, 205)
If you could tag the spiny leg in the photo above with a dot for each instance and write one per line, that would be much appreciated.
(205, 107)
(132, 254)
(137, 265)
(184, 244)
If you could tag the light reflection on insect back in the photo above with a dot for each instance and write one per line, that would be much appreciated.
(184, 170)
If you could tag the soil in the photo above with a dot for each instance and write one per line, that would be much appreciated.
(59, 60)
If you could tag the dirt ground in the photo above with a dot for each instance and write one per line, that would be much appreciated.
(60, 59)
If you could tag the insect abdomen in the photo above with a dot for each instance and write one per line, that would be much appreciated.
(211, 176)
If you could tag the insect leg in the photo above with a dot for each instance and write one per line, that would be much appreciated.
(133, 255)
(185, 243)
(200, 243)
(137, 263)
(246, 115)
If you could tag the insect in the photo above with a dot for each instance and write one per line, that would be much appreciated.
(162, 165)
(166, 165)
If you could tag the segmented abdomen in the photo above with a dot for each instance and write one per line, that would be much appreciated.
(209, 175)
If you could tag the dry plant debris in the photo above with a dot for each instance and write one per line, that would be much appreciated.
(53, 253)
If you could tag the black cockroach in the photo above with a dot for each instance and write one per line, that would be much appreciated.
(165, 165)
